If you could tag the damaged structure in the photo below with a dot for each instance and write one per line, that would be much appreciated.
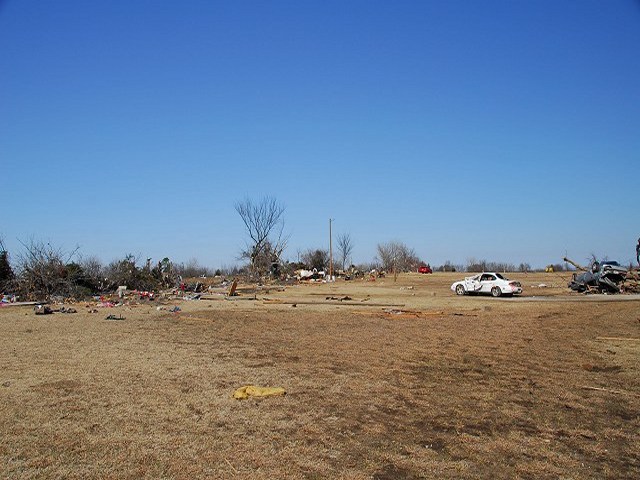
(607, 276)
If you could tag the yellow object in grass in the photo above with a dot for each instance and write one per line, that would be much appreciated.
(252, 391)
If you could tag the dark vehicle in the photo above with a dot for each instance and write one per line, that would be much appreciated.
(604, 277)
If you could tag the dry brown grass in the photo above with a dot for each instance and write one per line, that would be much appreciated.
(468, 388)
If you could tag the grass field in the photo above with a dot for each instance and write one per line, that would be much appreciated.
(436, 386)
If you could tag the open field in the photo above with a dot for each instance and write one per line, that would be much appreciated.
(438, 386)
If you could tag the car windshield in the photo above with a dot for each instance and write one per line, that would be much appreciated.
(500, 276)
(612, 263)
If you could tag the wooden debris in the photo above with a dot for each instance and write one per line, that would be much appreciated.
(609, 390)
(232, 289)
(398, 314)
(235, 472)
(311, 302)
(618, 339)
(631, 282)
(22, 304)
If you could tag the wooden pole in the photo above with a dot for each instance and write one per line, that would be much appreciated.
(330, 253)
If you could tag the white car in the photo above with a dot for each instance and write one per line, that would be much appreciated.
(487, 282)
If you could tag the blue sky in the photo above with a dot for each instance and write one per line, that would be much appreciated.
(498, 130)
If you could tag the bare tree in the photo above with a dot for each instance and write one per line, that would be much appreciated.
(45, 270)
(264, 225)
(345, 248)
(318, 258)
(93, 273)
(397, 257)
(192, 269)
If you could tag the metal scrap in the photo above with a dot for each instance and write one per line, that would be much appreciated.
(606, 276)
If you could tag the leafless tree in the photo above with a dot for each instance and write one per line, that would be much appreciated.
(45, 270)
(524, 267)
(316, 258)
(93, 273)
(397, 257)
(192, 269)
(264, 225)
(345, 248)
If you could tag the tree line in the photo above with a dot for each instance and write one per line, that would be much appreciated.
(41, 270)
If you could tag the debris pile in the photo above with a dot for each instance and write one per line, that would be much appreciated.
(631, 283)
(607, 277)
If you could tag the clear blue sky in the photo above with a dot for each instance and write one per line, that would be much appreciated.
(499, 130)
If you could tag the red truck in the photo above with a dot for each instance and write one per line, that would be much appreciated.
(425, 269)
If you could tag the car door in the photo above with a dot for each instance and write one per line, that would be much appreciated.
(487, 282)
(472, 284)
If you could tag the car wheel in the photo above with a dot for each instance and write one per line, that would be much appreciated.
(459, 290)
(496, 292)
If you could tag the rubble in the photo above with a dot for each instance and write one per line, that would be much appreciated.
(631, 282)
(607, 277)
(42, 310)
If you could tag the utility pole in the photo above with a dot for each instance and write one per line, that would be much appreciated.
(330, 253)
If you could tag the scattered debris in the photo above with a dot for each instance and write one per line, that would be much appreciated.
(42, 310)
(236, 298)
(9, 298)
(144, 295)
(310, 275)
(232, 289)
(604, 277)
(114, 317)
(252, 391)
(175, 309)
(618, 339)
(342, 299)
(345, 302)
(631, 282)
(608, 390)
(67, 310)
(398, 314)
(19, 304)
